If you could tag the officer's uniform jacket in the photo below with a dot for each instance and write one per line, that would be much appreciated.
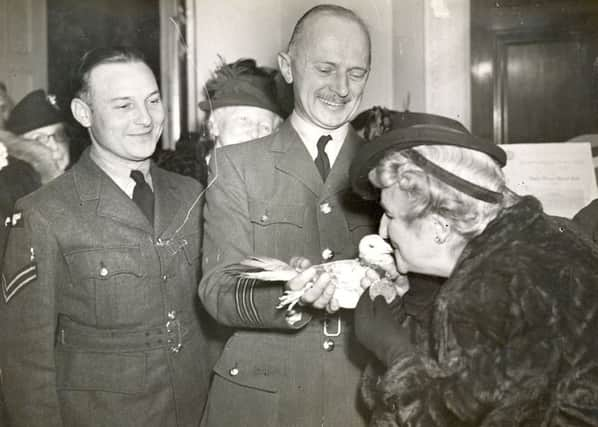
(267, 198)
(100, 319)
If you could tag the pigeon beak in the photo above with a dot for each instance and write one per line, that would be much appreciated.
(387, 249)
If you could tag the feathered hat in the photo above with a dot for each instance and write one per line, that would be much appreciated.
(241, 83)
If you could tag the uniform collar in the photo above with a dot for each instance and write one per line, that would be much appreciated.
(310, 133)
(119, 170)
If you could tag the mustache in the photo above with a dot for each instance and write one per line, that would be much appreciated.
(335, 99)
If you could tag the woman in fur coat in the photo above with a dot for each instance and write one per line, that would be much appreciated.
(511, 338)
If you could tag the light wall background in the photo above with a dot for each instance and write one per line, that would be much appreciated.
(420, 48)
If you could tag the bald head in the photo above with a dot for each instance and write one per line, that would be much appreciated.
(328, 63)
(312, 19)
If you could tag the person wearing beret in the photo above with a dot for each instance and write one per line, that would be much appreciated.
(101, 323)
(287, 195)
(37, 118)
(241, 103)
(37, 148)
(512, 336)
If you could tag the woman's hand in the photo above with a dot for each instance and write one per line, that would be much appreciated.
(377, 327)
(370, 277)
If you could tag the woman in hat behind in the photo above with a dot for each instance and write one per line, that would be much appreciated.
(242, 102)
(38, 151)
(512, 336)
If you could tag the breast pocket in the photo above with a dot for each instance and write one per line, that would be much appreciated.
(277, 229)
(113, 280)
(192, 248)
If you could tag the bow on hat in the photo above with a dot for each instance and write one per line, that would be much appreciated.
(416, 129)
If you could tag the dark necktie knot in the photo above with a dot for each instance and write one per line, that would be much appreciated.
(322, 142)
(322, 161)
(137, 177)
(143, 195)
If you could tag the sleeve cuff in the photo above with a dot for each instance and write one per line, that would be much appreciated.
(256, 301)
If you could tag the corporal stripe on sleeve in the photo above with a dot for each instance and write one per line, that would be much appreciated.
(22, 277)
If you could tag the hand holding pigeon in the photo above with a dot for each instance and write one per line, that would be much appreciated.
(374, 254)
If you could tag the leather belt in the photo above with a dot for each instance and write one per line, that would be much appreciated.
(74, 334)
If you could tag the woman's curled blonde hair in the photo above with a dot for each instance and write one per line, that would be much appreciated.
(428, 194)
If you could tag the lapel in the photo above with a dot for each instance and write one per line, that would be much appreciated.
(169, 206)
(338, 179)
(93, 184)
(294, 159)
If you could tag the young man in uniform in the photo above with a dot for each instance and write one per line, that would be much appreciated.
(100, 320)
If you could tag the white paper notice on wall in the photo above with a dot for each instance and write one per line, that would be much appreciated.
(560, 175)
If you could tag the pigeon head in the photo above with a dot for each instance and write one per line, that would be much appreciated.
(373, 247)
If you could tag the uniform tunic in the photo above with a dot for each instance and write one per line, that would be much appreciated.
(101, 323)
(269, 199)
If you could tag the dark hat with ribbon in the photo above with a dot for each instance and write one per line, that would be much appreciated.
(241, 83)
(34, 111)
(415, 129)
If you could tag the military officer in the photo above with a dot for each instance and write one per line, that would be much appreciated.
(101, 325)
(283, 196)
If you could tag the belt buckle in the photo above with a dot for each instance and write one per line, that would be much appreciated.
(338, 327)
(174, 326)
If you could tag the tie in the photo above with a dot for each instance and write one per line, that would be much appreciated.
(143, 195)
(322, 161)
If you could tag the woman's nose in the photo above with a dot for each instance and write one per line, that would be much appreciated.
(383, 228)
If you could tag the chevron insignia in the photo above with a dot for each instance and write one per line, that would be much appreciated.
(22, 277)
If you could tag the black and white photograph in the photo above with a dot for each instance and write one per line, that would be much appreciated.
(298, 213)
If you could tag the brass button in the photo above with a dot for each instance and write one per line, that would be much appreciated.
(164, 277)
(325, 208)
(328, 344)
(172, 314)
(264, 218)
(327, 254)
(233, 372)
(103, 271)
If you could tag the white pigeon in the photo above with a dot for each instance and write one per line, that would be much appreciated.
(374, 253)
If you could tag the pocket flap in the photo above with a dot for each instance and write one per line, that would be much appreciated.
(192, 247)
(252, 361)
(264, 213)
(85, 370)
(104, 263)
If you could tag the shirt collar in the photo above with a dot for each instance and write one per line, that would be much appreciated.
(310, 133)
(118, 169)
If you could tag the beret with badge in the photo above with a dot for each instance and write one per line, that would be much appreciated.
(34, 111)
(416, 129)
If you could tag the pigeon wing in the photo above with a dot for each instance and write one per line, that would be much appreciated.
(269, 269)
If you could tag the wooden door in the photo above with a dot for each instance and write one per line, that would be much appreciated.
(534, 69)
(23, 46)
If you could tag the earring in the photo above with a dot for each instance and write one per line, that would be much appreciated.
(437, 239)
